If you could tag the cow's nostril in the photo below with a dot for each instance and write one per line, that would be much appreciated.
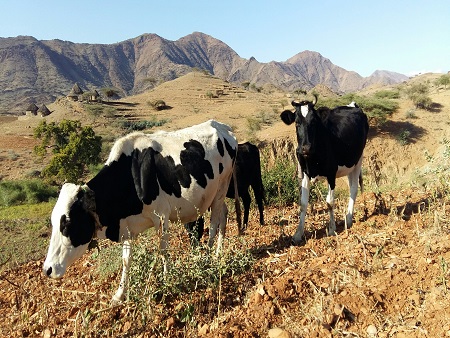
(49, 271)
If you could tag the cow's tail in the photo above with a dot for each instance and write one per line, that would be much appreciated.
(237, 203)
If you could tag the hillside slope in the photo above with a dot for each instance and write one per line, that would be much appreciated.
(388, 276)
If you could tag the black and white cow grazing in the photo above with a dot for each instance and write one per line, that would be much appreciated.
(330, 144)
(147, 180)
(248, 174)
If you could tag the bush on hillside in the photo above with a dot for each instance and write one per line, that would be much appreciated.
(74, 148)
(25, 192)
(377, 107)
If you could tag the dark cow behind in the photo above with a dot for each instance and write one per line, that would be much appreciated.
(330, 144)
(147, 181)
(248, 174)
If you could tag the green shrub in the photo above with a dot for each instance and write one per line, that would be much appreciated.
(26, 192)
(74, 147)
(404, 137)
(387, 94)
(130, 126)
(280, 181)
(378, 109)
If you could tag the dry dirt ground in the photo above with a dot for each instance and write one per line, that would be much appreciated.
(385, 277)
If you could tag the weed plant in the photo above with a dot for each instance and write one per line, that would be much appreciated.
(280, 181)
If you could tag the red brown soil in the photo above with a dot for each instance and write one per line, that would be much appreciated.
(388, 272)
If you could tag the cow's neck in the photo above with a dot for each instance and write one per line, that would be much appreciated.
(90, 206)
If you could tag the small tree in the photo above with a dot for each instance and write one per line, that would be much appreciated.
(74, 148)
(443, 80)
(418, 94)
(110, 92)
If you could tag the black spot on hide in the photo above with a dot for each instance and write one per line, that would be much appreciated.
(79, 226)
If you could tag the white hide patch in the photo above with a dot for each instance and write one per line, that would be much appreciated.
(170, 143)
(304, 110)
(66, 198)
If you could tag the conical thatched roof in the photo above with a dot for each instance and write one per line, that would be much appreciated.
(43, 110)
(76, 90)
(32, 107)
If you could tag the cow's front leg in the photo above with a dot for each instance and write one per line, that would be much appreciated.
(304, 199)
(126, 261)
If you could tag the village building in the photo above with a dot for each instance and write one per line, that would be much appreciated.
(43, 111)
(31, 110)
(94, 96)
(76, 94)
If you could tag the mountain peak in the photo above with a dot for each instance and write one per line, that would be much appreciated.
(34, 71)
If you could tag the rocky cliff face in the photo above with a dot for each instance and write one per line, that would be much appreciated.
(33, 71)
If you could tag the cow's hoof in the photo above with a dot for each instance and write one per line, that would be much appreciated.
(298, 240)
(116, 300)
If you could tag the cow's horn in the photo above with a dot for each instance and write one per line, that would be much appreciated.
(315, 99)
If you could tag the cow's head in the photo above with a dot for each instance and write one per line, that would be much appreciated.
(307, 122)
(73, 226)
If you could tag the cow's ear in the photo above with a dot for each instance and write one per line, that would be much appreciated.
(143, 170)
(287, 117)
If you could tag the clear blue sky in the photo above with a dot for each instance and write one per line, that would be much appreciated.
(404, 36)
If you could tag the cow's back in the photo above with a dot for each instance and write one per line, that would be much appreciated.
(348, 128)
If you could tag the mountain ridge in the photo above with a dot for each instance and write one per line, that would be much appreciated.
(39, 71)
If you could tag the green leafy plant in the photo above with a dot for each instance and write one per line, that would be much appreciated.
(26, 192)
(280, 181)
(74, 147)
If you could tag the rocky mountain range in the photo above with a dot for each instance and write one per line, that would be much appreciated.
(39, 71)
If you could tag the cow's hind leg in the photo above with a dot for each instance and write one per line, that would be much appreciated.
(126, 261)
(218, 219)
(246, 200)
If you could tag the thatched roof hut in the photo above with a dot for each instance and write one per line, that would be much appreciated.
(76, 92)
(43, 111)
(94, 96)
(31, 110)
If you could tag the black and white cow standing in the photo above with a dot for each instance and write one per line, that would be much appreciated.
(147, 180)
(330, 144)
(248, 174)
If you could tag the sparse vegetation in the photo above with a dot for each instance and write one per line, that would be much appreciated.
(25, 192)
(110, 93)
(378, 109)
(443, 80)
(418, 94)
(404, 137)
(130, 126)
(96, 110)
(280, 181)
